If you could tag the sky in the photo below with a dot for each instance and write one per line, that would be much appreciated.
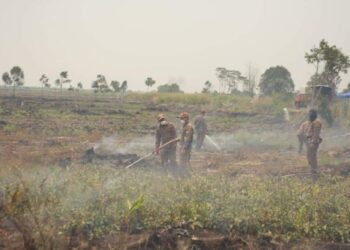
(181, 41)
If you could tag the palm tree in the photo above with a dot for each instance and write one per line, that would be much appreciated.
(44, 82)
(15, 78)
(63, 79)
(17, 75)
(150, 82)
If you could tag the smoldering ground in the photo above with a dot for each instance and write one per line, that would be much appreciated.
(242, 139)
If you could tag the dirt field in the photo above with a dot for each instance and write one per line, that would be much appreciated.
(44, 140)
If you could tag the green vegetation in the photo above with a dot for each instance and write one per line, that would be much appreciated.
(169, 88)
(51, 205)
(276, 80)
(95, 201)
(334, 60)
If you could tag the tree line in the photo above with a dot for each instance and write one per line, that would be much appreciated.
(329, 61)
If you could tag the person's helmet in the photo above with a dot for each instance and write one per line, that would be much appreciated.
(184, 115)
(160, 117)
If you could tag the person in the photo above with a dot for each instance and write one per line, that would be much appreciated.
(200, 125)
(313, 140)
(165, 133)
(302, 135)
(186, 141)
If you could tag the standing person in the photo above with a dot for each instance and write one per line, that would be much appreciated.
(313, 140)
(166, 132)
(186, 141)
(200, 125)
(302, 135)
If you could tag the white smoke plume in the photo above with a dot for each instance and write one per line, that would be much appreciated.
(281, 139)
(114, 145)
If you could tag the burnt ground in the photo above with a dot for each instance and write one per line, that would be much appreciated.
(41, 133)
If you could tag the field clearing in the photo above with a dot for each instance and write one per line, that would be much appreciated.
(255, 193)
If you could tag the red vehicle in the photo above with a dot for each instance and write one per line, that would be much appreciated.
(300, 101)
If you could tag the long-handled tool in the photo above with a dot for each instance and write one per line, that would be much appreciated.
(150, 154)
(212, 142)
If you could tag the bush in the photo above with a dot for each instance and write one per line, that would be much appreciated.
(169, 88)
(274, 105)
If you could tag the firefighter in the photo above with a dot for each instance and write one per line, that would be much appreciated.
(313, 140)
(166, 132)
(186, 141)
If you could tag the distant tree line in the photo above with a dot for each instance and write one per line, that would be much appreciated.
(329, 63)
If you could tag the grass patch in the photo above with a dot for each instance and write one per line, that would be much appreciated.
(98, 201)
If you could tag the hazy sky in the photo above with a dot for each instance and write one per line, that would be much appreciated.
(170, 40)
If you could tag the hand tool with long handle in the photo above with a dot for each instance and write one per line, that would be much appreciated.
(150, 154)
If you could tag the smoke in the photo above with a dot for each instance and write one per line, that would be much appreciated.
(264, 138)
(114, 145)
(279, 139)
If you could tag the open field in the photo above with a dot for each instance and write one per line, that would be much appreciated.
(254, 193)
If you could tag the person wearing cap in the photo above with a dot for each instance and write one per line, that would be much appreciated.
(200, 125)
(166, 132)
(186, 141)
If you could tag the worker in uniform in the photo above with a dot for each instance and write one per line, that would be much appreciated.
(313, 140)
(186, 141)
(165, 133)
(200, 125)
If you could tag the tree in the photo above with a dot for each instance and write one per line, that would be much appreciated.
(150, 82)
(124, 87)
(334, 61)
(15, 78)
(229, 79)
(249, 84)
(119, 88)
(115, 86)
(276, 80)
(63, 79)
(44, 82)
(169, 88)
(207, 87)
(95, 86)
(100, 84)
(7, 79)
(79, 85)
(221, 75)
